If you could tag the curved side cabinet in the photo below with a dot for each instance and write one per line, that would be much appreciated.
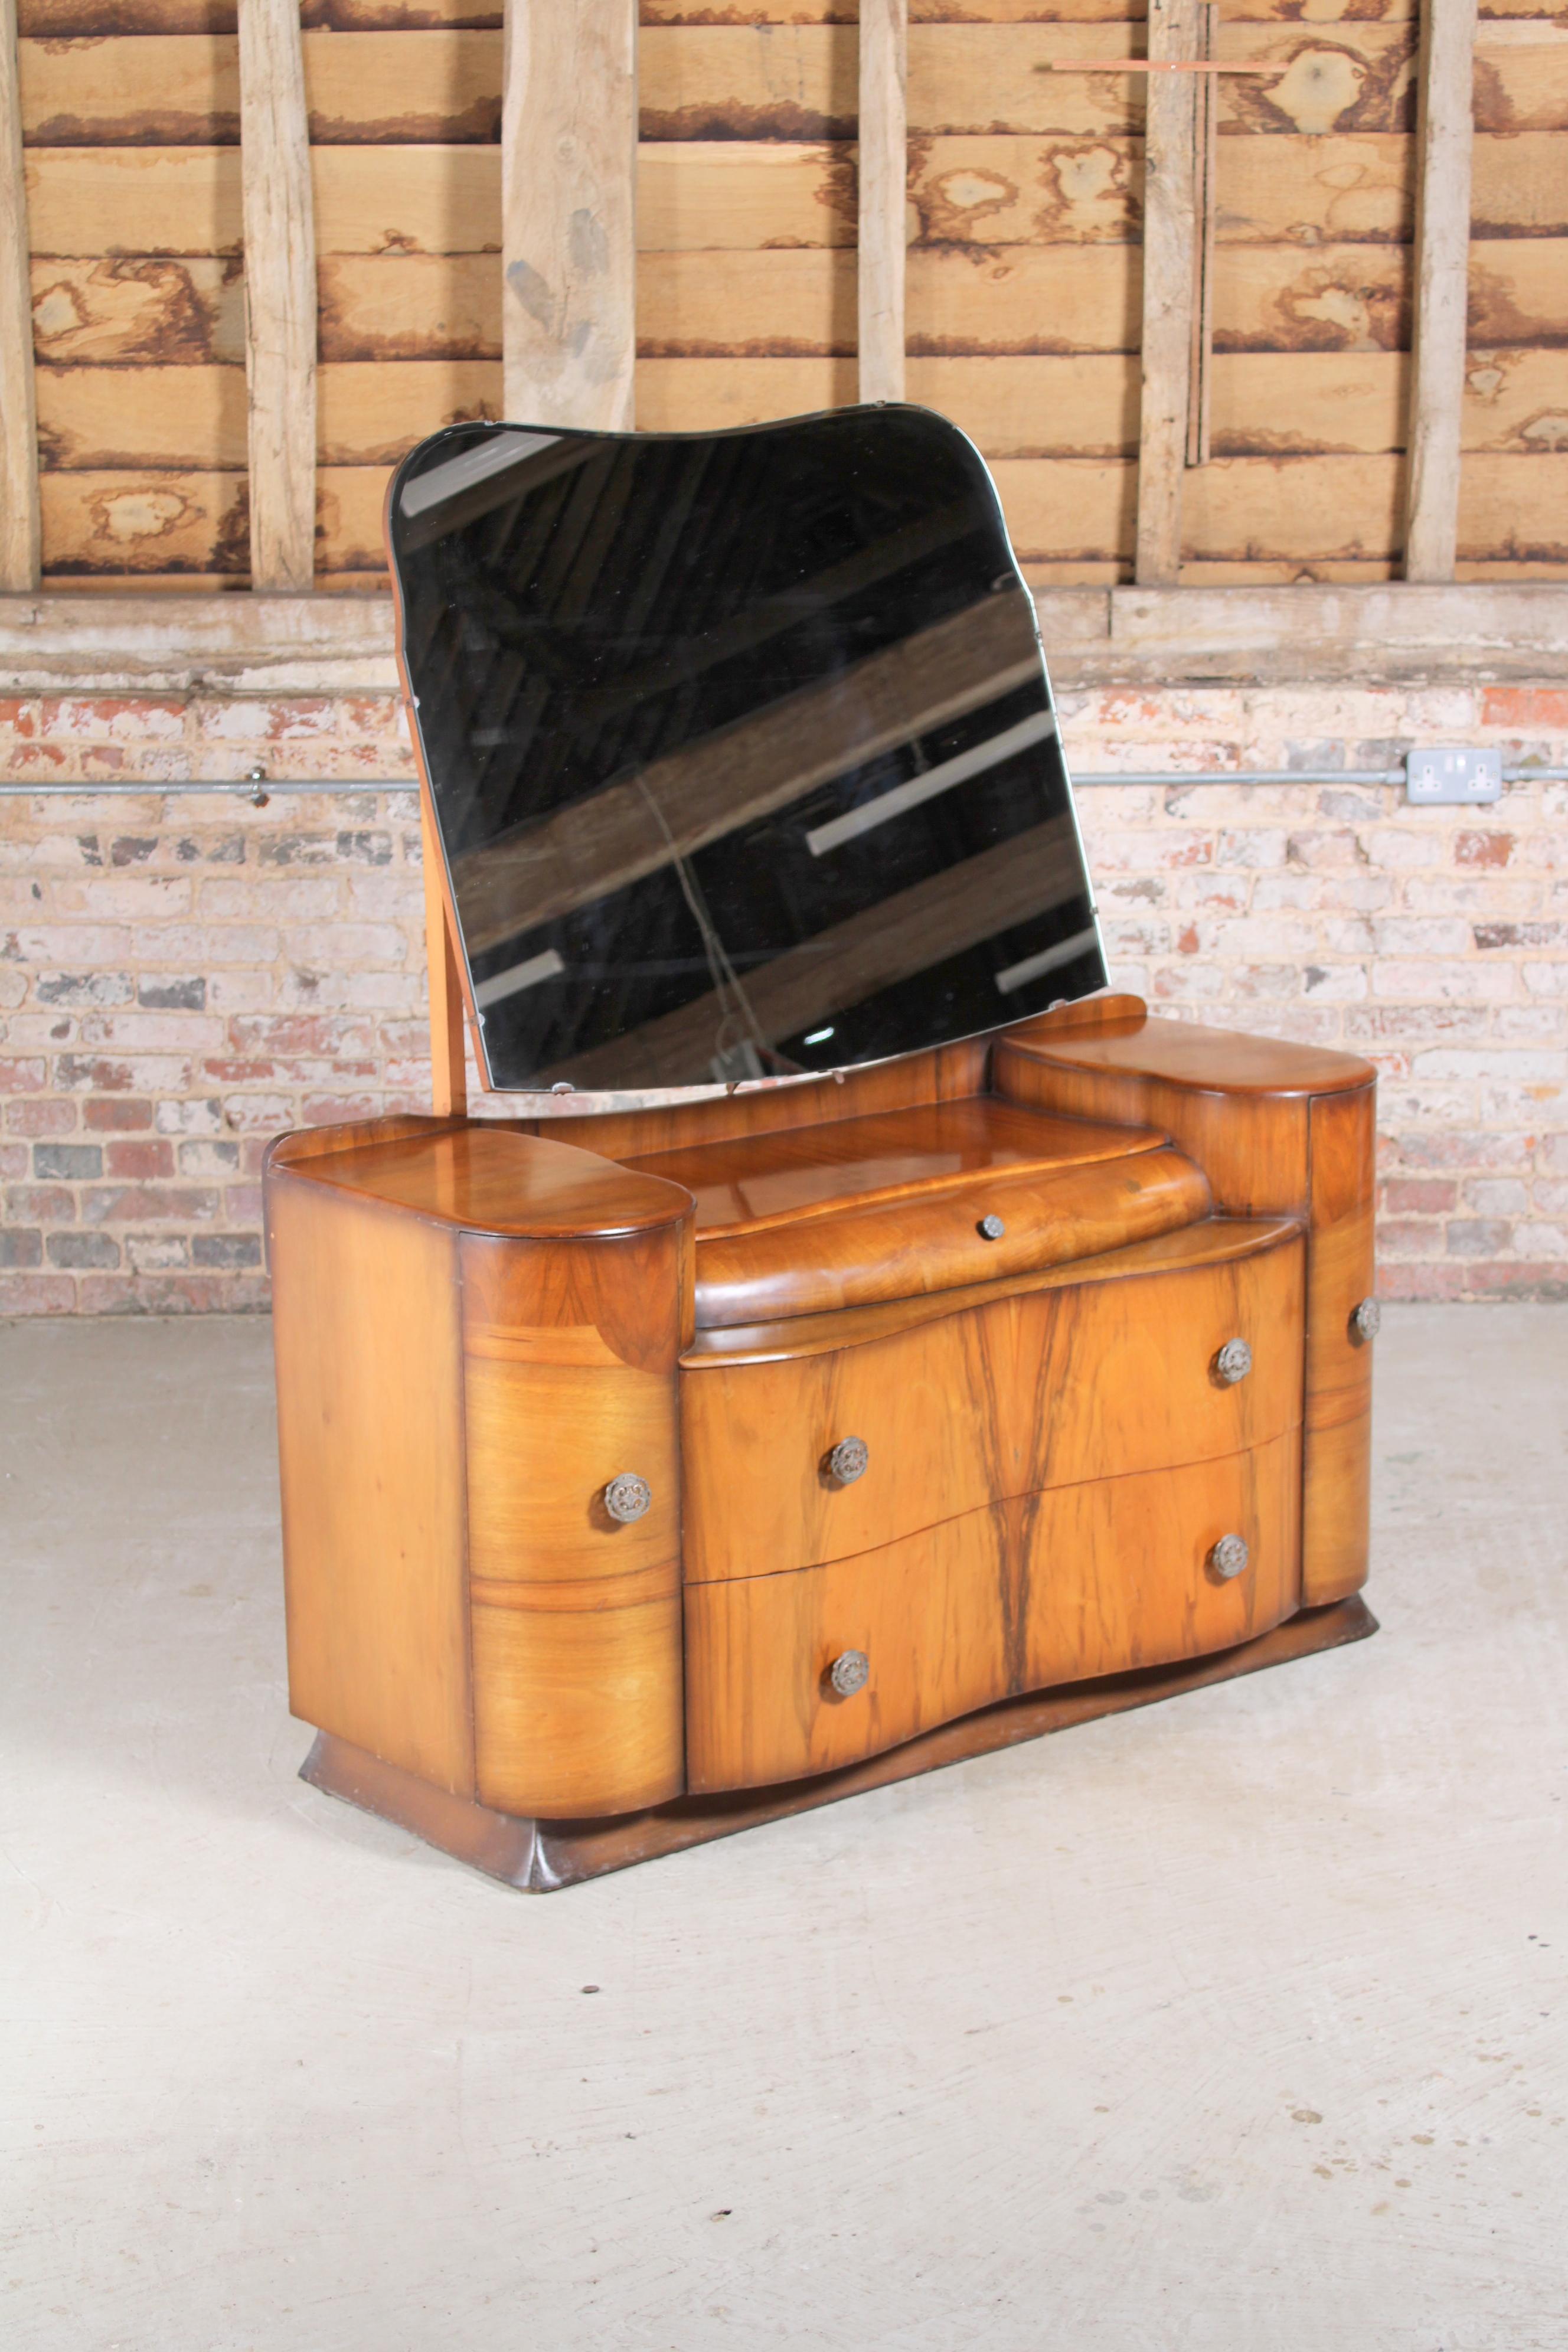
(570, 1411)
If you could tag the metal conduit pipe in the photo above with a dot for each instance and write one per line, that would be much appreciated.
(260, 790)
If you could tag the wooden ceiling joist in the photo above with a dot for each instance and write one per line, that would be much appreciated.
(1169, 225)
(279, 296)
(19, 532)
(883, 173)
(569, 136)
(1444, 140)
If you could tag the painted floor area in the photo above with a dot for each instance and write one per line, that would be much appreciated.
(1235, 2025)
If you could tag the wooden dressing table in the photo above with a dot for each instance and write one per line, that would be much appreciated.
(652, 1473)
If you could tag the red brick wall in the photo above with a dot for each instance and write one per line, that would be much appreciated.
(181, 978)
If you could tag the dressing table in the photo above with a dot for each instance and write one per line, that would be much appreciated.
(872, 1343)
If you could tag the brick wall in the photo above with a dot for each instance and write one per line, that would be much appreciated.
(181, 978)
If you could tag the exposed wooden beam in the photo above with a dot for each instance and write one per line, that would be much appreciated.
(883, 170)
(1169, 228)
(1444, 137)
(18, 420)
(279, 296)
(569, 138)
(1205, 152)
(696, 795)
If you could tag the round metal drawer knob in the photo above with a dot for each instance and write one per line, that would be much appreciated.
(628, 1497)
(1233, 1362)
(991, 1228)
(849, 1672)
(848, 1460)
(1229, 1557)
(1367, 1320)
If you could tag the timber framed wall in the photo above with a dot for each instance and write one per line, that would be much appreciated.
(182, 973)
(1023, 299)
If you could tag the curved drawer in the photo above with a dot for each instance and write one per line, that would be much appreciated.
(1047, 1589)
(1041, 1389)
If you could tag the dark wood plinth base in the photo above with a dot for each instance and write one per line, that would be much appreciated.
(538, 1856)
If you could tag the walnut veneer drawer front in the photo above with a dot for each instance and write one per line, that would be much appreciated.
(1038, 1389)
(1052, 1588)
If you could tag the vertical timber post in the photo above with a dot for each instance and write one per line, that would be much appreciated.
(883, 177)
(569, 138)
(279, 295)
(1444, 137)
(1169, 226)
(19, 525)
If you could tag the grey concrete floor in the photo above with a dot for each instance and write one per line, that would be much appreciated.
(1237, 2023)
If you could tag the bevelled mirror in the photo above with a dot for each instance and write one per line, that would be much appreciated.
(741, 746)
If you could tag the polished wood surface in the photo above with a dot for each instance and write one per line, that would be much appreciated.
(489, 1178)
(1181, 1054)
(1213, 1241)
(570, 1352)
(480, 1326)
(1336, 1495)
(367, 1334)
(449, 1064)
(1036, 1389)
(918, 1242)
(748, 1182)
(1250, 1144)
(539, 1857)
(1081, 1580)
(579, 1711)
(947, 1073)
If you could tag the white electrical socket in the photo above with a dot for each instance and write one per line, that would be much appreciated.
(1439, 779)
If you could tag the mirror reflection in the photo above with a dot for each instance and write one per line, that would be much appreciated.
(741, 747)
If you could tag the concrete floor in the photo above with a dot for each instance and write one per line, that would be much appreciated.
(1238, 2023)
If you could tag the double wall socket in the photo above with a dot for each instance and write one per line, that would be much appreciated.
(1439, 779)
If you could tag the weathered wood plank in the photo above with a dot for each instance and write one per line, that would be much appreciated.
(759, 82)
(279, 296)
(990, 191)
(1169, 234)
(155, 90)
(123, 523)
(194, 419)
(693, 194)
(410, 305)
(1302, 507)
(1515, 400)
(152, 312)
(1444, 136)
(1009, 407)
(1068, 509)
(135, 201)
(883, 156)
(140, 419)
(174, 89)
(708, 395)
(19, 525)
(371, 414)
(761, 305)
(568, 212)
(1289, 515)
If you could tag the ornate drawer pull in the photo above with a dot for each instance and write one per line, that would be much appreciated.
(1233, 1362)
(1229, 1557)
(849, 1672)
(1366, 1321)
(628, 1497)
(848, 1459)
(991, 1228)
